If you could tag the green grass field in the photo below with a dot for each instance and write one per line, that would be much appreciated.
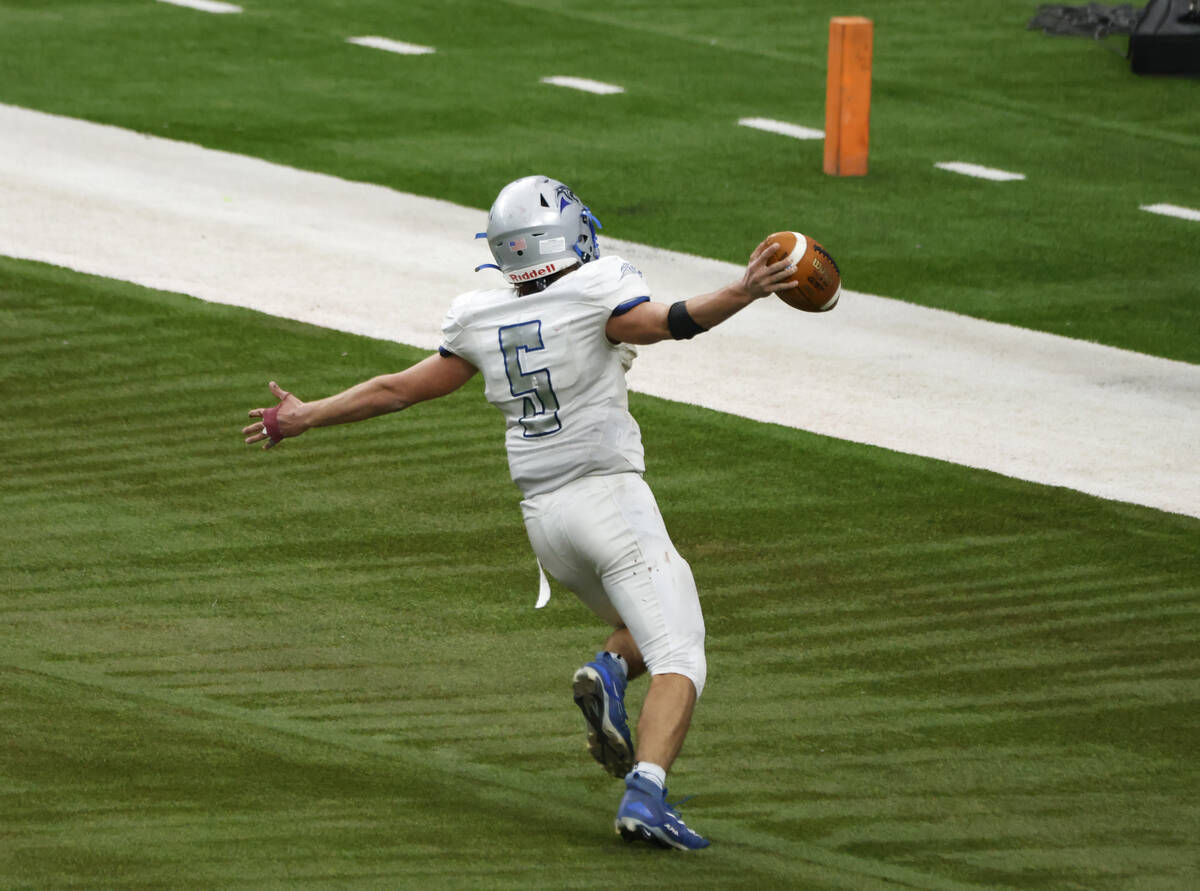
(321, 666)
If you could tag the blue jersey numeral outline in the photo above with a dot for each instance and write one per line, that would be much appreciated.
(534, 388)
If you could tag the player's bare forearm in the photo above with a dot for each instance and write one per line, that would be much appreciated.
(648, 322)
(369, 399)
(430, 378)
(710, 310)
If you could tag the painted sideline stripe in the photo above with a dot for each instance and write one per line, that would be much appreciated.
(583, 83)
(782, 127)
(1173, 210)
(205, 5)
(977, 171)
(242, 231)
(392, 46)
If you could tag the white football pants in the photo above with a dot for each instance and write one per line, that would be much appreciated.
(604, 539)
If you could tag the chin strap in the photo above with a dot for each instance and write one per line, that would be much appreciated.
(486, 265)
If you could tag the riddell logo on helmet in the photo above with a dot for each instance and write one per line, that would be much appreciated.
(530, 274)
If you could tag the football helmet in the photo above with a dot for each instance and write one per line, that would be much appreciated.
(537, 227)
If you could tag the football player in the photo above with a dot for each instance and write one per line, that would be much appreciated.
(553, 345)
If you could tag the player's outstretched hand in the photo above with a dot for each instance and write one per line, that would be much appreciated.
(276, 423)
(765, 277)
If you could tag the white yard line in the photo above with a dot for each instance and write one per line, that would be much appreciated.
(307, 246)
(1173, 210)
(783, 128)
(392, 46)
(583, 83)
(213, 6)
(978, 171)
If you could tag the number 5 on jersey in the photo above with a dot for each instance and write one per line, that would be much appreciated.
(540, 417)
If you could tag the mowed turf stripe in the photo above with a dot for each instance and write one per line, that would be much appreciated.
(510, 791)
(1011, 618)
(257, 807)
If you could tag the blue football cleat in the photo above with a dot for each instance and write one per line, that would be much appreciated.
(644, 815)
(600, 694)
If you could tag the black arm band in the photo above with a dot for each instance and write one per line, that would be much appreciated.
(680, 323)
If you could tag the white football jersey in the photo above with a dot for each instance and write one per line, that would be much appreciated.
(549, 367)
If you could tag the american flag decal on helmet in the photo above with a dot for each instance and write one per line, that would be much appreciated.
(517, 244)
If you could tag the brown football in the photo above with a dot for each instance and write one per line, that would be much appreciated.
(818, 277)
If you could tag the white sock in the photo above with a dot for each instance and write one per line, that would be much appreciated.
(652, 771)
(620, 661)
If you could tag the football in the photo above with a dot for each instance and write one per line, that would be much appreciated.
(818, 277)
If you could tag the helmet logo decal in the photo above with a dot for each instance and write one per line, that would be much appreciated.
(530, 274)
(517, 244)
(565, 197)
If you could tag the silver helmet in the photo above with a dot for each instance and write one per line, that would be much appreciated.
(537, 227)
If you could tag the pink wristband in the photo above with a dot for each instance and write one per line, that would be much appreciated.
(270, 421)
